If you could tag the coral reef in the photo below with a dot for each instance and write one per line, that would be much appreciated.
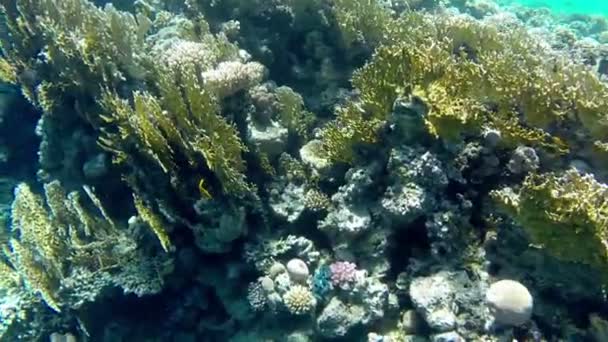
(281, 170)
(63, 255)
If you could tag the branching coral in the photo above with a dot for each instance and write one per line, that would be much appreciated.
(90, 54)
(472, 75)
(566, 214)
(292, 113)
(60, 238)
(8, 73)
(82, 48)
(351, 127)
(183, 120)
(155, 223)
(361, 20)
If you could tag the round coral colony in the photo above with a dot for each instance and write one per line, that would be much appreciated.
(510, 302)
(297, 270)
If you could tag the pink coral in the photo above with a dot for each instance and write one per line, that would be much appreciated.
(343, 274)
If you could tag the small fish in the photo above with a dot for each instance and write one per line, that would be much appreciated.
(204, 192)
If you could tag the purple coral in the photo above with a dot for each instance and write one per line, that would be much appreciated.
(343, 274)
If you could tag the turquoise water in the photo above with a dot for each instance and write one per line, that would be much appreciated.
(593, 7)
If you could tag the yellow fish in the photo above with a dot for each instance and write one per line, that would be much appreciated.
(202, 190)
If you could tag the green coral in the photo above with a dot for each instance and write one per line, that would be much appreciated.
(565, 214)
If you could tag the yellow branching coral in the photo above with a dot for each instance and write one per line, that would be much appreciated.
(293, 168)
(154, 222)
(471, 75)
(39, 280)
(9, 278)
(316, 200)
(182, 121)
(514, 134)
(449, 116)
(91, 52)
(52, 238)
(292, 113)
(7, 71)
(140, 121)
(36, 228)
(97, 202)
(351, 127)
(565, 214)
(361, 20)
(86, 47)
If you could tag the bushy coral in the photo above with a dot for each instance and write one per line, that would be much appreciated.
(470, 75)
(292, 113)
(206, 163)
(361, 21)
(566, 214)
(230, 77)
(256, 296)
(154, 222)
(299, 300)
(91, 54)
(83, 48)
(182, 120)
(350, 128)
(316, 200)
(343, 274)
(58, 240)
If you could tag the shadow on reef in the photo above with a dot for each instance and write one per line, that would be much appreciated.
(18, 146)
(406, 243)
(18, 141)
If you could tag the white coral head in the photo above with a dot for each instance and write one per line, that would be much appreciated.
(297, 270)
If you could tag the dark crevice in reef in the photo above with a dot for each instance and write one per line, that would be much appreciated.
(17, 132)
(405, 243)
(118, 310)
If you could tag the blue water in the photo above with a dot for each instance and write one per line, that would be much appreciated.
(593, 7)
